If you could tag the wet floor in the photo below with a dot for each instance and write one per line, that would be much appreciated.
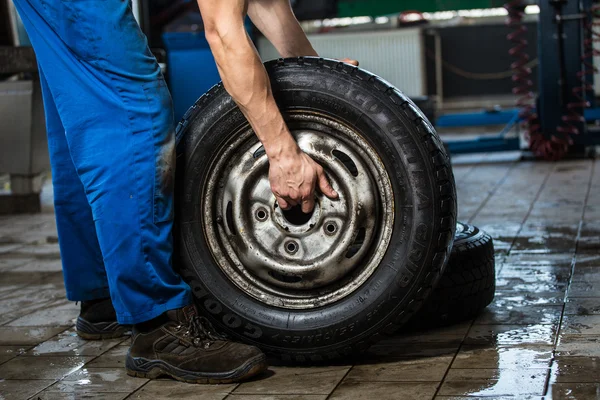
(539, 339)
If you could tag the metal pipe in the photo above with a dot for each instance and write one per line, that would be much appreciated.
(439, 71)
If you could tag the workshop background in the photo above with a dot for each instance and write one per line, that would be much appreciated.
(511, 89)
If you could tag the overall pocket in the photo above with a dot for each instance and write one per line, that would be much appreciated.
(163, 133)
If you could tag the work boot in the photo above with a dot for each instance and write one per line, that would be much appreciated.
(98, 320)
(185, 347)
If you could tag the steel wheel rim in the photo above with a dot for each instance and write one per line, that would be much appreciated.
(293, 263)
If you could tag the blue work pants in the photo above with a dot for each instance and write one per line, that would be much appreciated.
(110, 131)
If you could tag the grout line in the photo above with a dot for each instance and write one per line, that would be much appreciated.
(140, 388)
(471, 168)
(493, 191)
(572, 271)
(237, 385)
(339, 383)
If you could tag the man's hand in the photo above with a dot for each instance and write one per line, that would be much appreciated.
(350, 61)
(294, 176)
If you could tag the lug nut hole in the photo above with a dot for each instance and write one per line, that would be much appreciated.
(291, 247)
(330, 228)
(261, 214)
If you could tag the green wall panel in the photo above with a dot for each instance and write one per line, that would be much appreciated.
(355, 8)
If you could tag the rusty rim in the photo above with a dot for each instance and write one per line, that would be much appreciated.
(287, 258)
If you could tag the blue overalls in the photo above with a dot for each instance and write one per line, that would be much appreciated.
(109, 119)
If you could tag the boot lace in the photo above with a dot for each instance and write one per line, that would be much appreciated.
(201, 332)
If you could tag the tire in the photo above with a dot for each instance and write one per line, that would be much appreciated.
(467, 285)
(261, 305)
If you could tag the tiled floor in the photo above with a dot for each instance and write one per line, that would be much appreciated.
(539, 339)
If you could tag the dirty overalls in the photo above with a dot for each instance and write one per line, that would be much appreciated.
(109, 119)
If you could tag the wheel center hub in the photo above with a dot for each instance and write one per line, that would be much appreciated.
(294, 220)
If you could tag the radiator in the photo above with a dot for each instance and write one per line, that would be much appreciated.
(395, 55)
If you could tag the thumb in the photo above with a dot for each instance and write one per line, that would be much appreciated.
(325, 187)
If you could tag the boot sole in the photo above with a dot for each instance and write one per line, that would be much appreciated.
(152, 369)
(100, 331)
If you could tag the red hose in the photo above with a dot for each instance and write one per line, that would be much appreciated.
(575, 109)
(556, 147)
(523, 85)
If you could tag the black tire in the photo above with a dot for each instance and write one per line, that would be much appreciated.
(423, 186)
(467, 285)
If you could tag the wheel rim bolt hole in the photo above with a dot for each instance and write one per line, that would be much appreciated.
(261, 214)
(330, 228)
(291, 247)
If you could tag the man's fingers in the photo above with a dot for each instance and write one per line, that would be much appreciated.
(283, 204)
(308, 205)
(325, 187)
(350, 61)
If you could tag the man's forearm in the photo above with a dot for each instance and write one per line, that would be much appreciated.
(246, 80)
(276, 20)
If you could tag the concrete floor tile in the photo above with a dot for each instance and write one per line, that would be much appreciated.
(385, 352)
(276, 397)
(69, 344)
(28, 335)
(8, 262)
(528, 299)
(98, 380)
(43, 251)
(543, 244)
(511, 334)
(584, 289)
(578, 345)
(586, 274)
(40, 266)
(449, 334)
(560, 260)
(45, 395)
(28, 300)
(114, 358)
(321, 380)
(10, 352)
(517, 356)
(588, 260)
(42, 367)
(7, 247)
(32, 278)
(518, 285)
(576, 369)
(520, 397)
(8, 290)
(384, 391)
(581, 324)
(583, 306)
(49, 316)
(494, 382)
(500, 313)
(574, 391)
(528, 274)
(426, 369)
(22, 389)
(169, 389)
